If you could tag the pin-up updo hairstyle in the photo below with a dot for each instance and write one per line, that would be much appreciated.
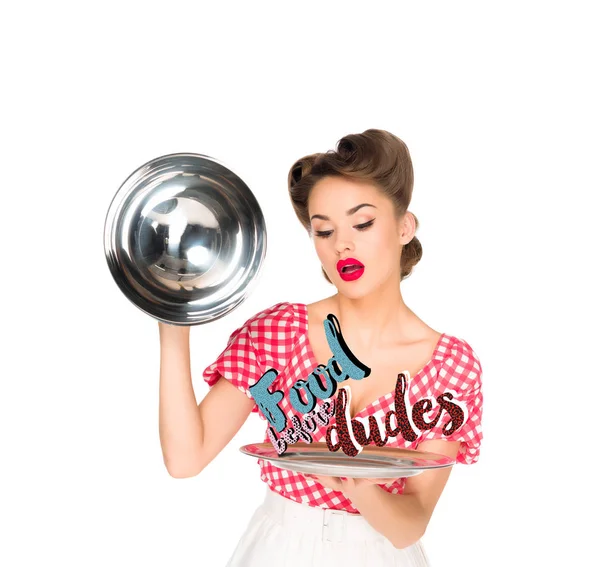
(376, 156)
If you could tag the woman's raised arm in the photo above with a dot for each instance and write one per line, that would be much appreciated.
(191, 434)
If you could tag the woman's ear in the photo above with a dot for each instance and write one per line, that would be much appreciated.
(406, 228)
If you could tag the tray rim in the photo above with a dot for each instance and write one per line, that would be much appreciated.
(429, 460)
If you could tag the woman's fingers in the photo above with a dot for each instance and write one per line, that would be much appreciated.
(327, 481)
(336, 483)
(345, 479)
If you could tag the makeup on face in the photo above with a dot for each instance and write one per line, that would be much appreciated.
(357, 201)
(349, 213)
(350, 269)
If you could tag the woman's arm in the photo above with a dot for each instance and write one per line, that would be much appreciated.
(191, 434)
(401, 518)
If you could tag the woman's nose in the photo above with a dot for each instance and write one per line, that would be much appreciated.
(343, 243)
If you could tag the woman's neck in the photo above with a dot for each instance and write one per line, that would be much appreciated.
(372, 319)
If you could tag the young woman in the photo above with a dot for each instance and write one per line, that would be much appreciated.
(354, 204)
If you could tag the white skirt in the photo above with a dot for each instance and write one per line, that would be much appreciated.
(284, 533)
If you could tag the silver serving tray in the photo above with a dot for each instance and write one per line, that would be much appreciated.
(371, 462)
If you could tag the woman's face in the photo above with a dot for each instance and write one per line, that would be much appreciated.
(357, 236)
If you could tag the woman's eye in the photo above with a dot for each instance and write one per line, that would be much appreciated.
(328, 233)
(365, 225)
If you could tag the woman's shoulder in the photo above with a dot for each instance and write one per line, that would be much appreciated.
(278, 321)
(460, 364)
(275, 331)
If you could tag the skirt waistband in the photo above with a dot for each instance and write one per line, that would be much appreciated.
(335, 526)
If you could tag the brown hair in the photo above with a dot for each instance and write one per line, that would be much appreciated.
(375, 156)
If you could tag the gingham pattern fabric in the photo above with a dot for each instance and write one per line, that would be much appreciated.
(277, 338)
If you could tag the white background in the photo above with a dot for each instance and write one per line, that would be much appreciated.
(498, 103)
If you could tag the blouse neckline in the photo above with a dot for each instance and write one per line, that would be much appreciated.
(314, 363)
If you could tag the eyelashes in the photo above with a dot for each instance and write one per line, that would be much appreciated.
(328, 233)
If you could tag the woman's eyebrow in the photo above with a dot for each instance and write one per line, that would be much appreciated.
(348, 212)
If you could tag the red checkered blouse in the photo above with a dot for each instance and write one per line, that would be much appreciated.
(277, 338)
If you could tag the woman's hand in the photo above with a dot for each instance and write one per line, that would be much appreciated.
(347, 485)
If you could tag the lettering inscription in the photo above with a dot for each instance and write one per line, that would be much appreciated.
(321, 384)
(348, 434)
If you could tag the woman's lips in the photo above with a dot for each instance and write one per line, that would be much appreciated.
(350, 269)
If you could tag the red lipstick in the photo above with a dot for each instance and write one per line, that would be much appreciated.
(350, 269)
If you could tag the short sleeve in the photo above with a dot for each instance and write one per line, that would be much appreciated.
(460, 377)
(238, 363)
(263, 343)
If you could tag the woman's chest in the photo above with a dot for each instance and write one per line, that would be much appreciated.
(384, 367)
